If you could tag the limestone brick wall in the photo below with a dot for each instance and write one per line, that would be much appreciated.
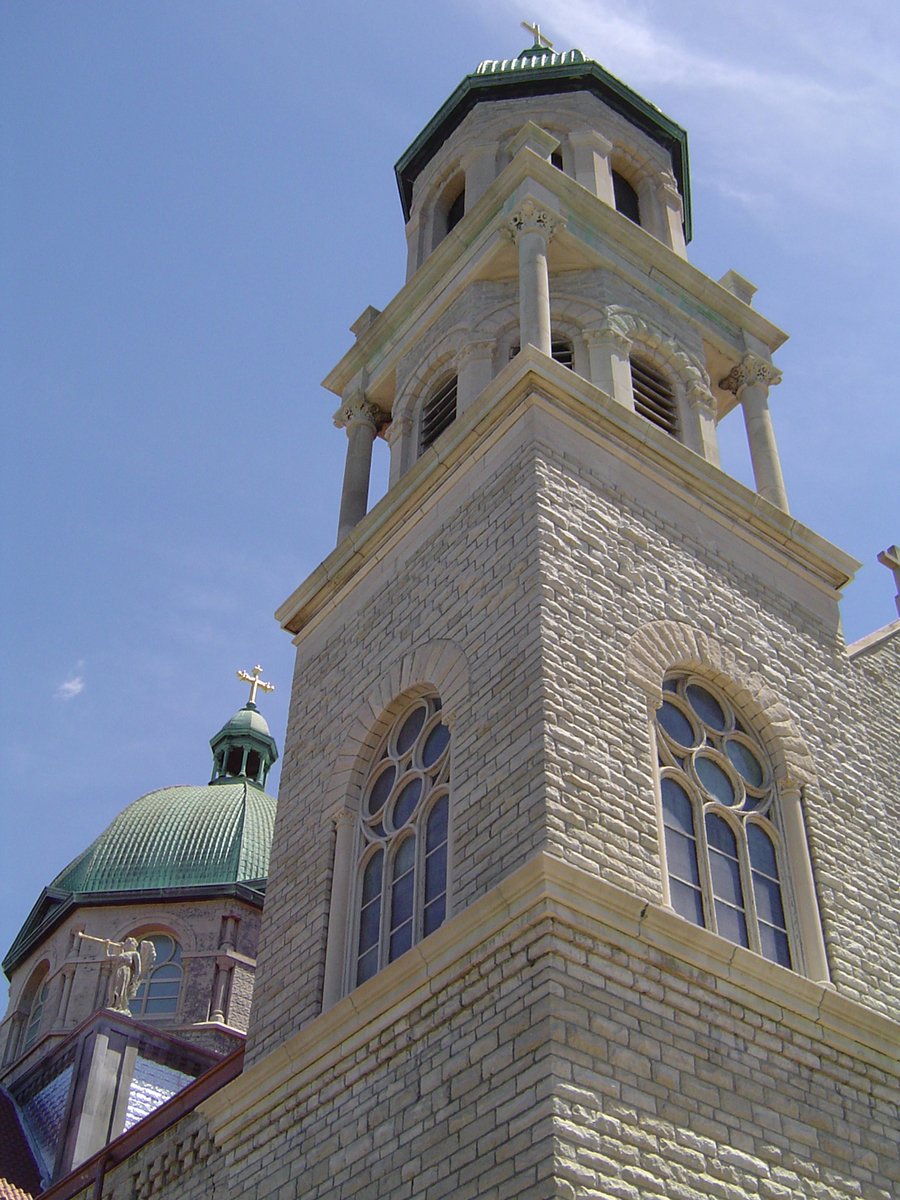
(488, 605)
(618, 552)
(553, 1062)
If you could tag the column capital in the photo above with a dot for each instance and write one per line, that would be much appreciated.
(752, 369)
(612, 333)
(482, 348)
(531, 217)
(590, 139)
(359, 411)
(396, 429)
(700, 397)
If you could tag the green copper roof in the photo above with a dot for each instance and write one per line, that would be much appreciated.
(539, 72)
(179, 837)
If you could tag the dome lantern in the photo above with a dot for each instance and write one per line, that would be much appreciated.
(244, 748)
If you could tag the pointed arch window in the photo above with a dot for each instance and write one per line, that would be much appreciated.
(438, 412)
(157, 995)
(723, 849)
(403, 838)
(654, 397)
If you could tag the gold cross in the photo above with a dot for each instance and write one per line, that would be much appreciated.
(539, 39)
(255, 682)
(890, 558)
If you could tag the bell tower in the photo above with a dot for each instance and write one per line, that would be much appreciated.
(558, 837)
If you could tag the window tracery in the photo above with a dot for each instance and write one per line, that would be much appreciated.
(402, 839)
(157, 995)
(722, 845)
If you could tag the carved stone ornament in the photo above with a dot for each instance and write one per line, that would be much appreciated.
(361, 411)
(399, 427)
(700, 397)
(474, 350)
(612, 333)
(751, 369)
(531, 218)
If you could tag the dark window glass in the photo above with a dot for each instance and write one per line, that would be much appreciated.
(456, 210)
(626, 198)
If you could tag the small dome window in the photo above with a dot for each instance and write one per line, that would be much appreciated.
(438, 412)
(626, 198)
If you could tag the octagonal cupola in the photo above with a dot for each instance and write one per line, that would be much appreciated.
(244, 747)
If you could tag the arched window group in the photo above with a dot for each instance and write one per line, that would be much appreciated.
(403, 839)
(157, 995)
(722, 847)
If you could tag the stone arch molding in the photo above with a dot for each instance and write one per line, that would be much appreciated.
(662, 646)
(439, 666)
(441, 358)
(656, 341)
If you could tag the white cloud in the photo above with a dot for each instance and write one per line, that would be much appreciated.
(73, 686)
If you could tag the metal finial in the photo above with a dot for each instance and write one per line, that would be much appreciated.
(540, 41)
(255, 682)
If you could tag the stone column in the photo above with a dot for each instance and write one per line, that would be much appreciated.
(672, 215)
(480, 168)
(219, 1005)
(701, 412)
(531, 228)
(593, 170)
(815, 960)
(68, 974)
(339, 911)
(362, 420)
(750, 381)
(609, 348)
(474, 371)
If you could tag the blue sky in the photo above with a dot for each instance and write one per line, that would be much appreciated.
(200, 201)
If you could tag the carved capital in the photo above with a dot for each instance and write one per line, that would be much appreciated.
(611, 335)
(701, 398)
(360, 411)
(529, 217)
(479, 349)
(396, 429)
(752, 369)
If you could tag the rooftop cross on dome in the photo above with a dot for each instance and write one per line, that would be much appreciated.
(255, 682)
(540, 41)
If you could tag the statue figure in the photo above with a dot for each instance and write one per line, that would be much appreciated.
(133, 965)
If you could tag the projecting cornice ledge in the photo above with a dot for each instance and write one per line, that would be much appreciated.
(548, 889)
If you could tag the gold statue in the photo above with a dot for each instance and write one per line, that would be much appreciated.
(133, 965)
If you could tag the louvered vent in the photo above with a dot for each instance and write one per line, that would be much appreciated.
(438, 413)
(653, 397)
(560, 350)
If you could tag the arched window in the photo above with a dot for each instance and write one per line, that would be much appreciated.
(626, 198)
(653, 396)
(403, 839)
(158, 993)
(456, 209)
(722, 847)
(39, 992)
(438, 411)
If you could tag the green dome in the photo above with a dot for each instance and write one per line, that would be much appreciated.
(179, 837)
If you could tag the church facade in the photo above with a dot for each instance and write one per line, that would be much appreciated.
(580, 881)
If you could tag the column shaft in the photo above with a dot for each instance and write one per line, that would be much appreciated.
(361, 429)
(761, 439)
(534, 291)
(341, 888)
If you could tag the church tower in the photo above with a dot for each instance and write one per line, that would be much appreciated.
(576, 885)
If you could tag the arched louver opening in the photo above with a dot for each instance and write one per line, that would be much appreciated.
(561, 351)
(626, 198)
(653, 397)
(456, 210)
(438, 412)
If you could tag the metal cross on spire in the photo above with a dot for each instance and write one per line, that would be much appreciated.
(539, 39)
(255, 682)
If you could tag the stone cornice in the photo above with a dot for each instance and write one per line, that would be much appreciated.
(600, 234)
(547, 887)
(532, 379)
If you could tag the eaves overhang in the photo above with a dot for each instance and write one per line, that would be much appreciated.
(554, 80)
(54, 906)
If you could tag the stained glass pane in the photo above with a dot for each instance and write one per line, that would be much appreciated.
(767, 894)
(731, 924)
(686, 901)
(367, 965)
(435, 744)
(762, 852)
(681, 853)
(405, 804)
(714, 779)
(410, 729)
(437, 824)
(381, 789)
(372, 878)
(719, 835)
(726, 878)
(706, 706)
(676, 724)
(434, 914)
(401, 940)
(677, 808)
(745, 761)
(405, 858)
(774, 944)
(402, 900)
(369, 925)
(435, 872)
